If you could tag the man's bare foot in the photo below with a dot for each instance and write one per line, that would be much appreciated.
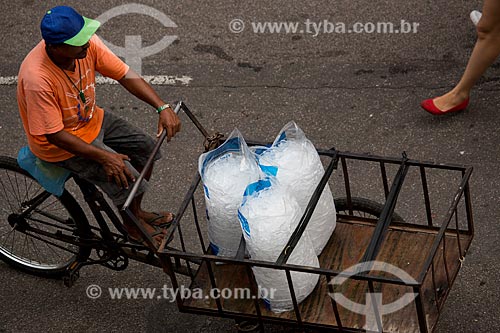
(159, 219)
(155, 232)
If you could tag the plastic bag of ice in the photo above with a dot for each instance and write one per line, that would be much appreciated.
(294, 161)
(226, 172)
(268, 215)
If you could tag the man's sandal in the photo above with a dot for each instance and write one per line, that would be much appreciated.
(160, 216)
(141, 240)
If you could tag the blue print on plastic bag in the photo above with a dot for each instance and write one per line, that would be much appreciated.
(244, 224)
(231, 145)
(281, 138)
(207, 193)
(269, 170)
(250, 191)
(256, 187)
(214, 248)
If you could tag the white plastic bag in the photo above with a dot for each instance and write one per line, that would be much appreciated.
(294, 161)
(226, 172)
(268, 215)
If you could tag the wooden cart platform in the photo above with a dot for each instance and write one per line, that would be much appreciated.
(406, 248)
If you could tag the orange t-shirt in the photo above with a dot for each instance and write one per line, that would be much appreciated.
(48, 101)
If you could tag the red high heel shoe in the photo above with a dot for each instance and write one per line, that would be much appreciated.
(429, 106)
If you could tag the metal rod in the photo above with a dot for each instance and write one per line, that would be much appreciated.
(214, 285)
(422, 321)
(436, 296)
(376, 312)
(169, 269)
(427, 200)
(334, 303)
(149, 164)
(297, 268)
(183, 247)
(308, 212)
(395, 160)
(198, 229)
(255, 287)
(446, 222)
(468, 208)
(376, 158)
(34, 203)
(347, 185)
(384, 179)
(294, 297)
(461, 254)
(194, 120)
(385, 218)
(180, 212)
(275, 320)
(445, 262)
(240, 254)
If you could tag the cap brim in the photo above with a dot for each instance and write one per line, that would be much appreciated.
(89, 28)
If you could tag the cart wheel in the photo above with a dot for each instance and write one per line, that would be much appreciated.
(362, 207)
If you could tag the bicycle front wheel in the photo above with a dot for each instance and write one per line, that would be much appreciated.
(34, 244)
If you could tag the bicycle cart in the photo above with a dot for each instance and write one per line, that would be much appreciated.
(403, 230)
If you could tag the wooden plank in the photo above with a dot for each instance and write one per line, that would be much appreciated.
(403, 249)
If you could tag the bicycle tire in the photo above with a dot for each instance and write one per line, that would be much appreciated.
(54, 215)
(362, 207)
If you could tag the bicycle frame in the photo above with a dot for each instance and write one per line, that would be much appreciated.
(113, 249)
(109, 246)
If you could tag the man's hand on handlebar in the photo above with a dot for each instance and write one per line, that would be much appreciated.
(169, 121)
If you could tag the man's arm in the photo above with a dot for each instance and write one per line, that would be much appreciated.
(136, 85)
(112, 163)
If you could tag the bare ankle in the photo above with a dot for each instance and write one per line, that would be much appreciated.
(458, 96)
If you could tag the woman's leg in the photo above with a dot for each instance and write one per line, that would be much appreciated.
(485, 52)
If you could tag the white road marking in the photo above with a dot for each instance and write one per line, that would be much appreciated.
(159, 80)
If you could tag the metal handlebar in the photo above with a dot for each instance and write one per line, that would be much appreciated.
(149, 163)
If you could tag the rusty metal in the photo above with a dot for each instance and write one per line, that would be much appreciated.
(213, 141)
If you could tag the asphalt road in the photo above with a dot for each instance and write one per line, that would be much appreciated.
(357, 92)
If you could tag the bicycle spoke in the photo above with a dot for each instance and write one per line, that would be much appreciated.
(42, 241)
(36, 250)
(25, 245)
(29, 188)
(12, 243)
(46, 207)
(54, 251)
(33, 236)
(5, 197)
(6, 235)
(13, 189)
(50, 224)
(7, 232)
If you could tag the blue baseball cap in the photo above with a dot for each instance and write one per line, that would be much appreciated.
(63, 24)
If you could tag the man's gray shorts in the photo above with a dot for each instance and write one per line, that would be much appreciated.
(116, 135)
